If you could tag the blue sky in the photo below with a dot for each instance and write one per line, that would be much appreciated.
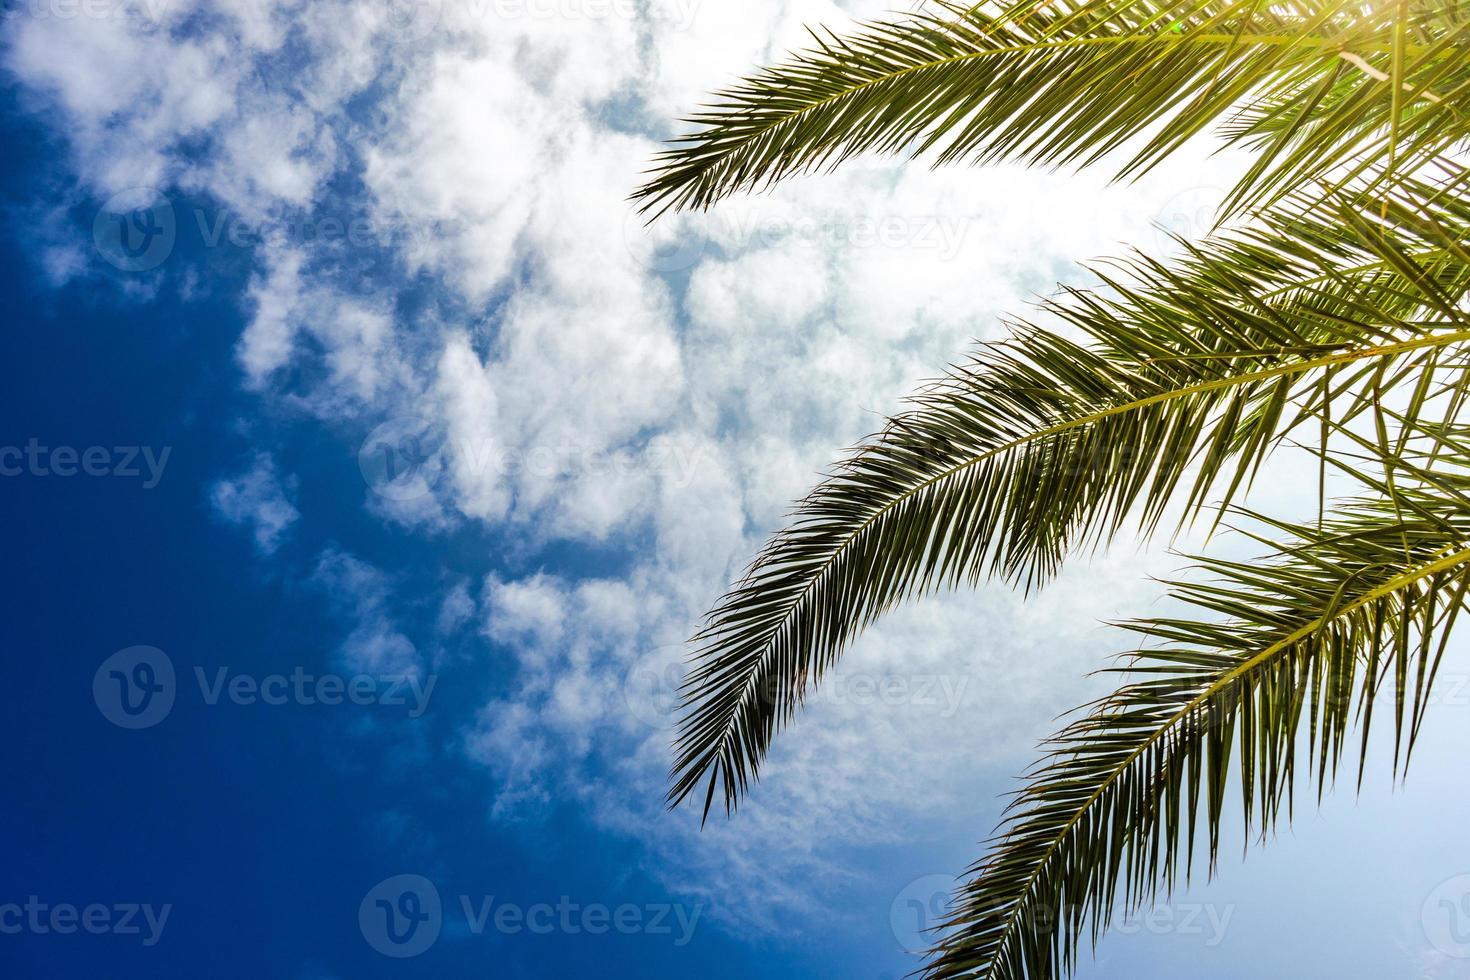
(334, 354)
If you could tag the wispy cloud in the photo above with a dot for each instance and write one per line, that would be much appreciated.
(260, 499)
(538, 365)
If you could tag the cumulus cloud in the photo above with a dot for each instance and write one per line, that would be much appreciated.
(659, 396)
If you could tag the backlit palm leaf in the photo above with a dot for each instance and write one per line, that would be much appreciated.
(1040, 445)
(1346, 293)
(1343, 617)
(1317, 87)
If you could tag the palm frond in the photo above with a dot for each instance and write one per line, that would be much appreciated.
(1342, 618)
(1316, 86)
(1040, 446)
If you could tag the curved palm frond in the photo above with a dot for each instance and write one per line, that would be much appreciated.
(1193, 373)
(1343, 617)
(1067, 81)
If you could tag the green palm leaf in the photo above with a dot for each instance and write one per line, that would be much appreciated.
(1341, 617)
(1041, 445)
(1317, 87)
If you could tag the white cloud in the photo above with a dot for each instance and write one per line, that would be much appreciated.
(260, 499)
(587, 397)
(359, 346)
(361, 592)
(455, 610)
(461, 168)
(474, 431)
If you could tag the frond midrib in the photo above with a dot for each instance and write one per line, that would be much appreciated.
(1296, 636)
(1232, 40)
(720, 750)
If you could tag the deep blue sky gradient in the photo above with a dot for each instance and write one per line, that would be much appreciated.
(263, 827)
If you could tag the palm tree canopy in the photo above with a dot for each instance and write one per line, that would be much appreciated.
(1340, 616)
(1345, 292)
(1040, 445)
